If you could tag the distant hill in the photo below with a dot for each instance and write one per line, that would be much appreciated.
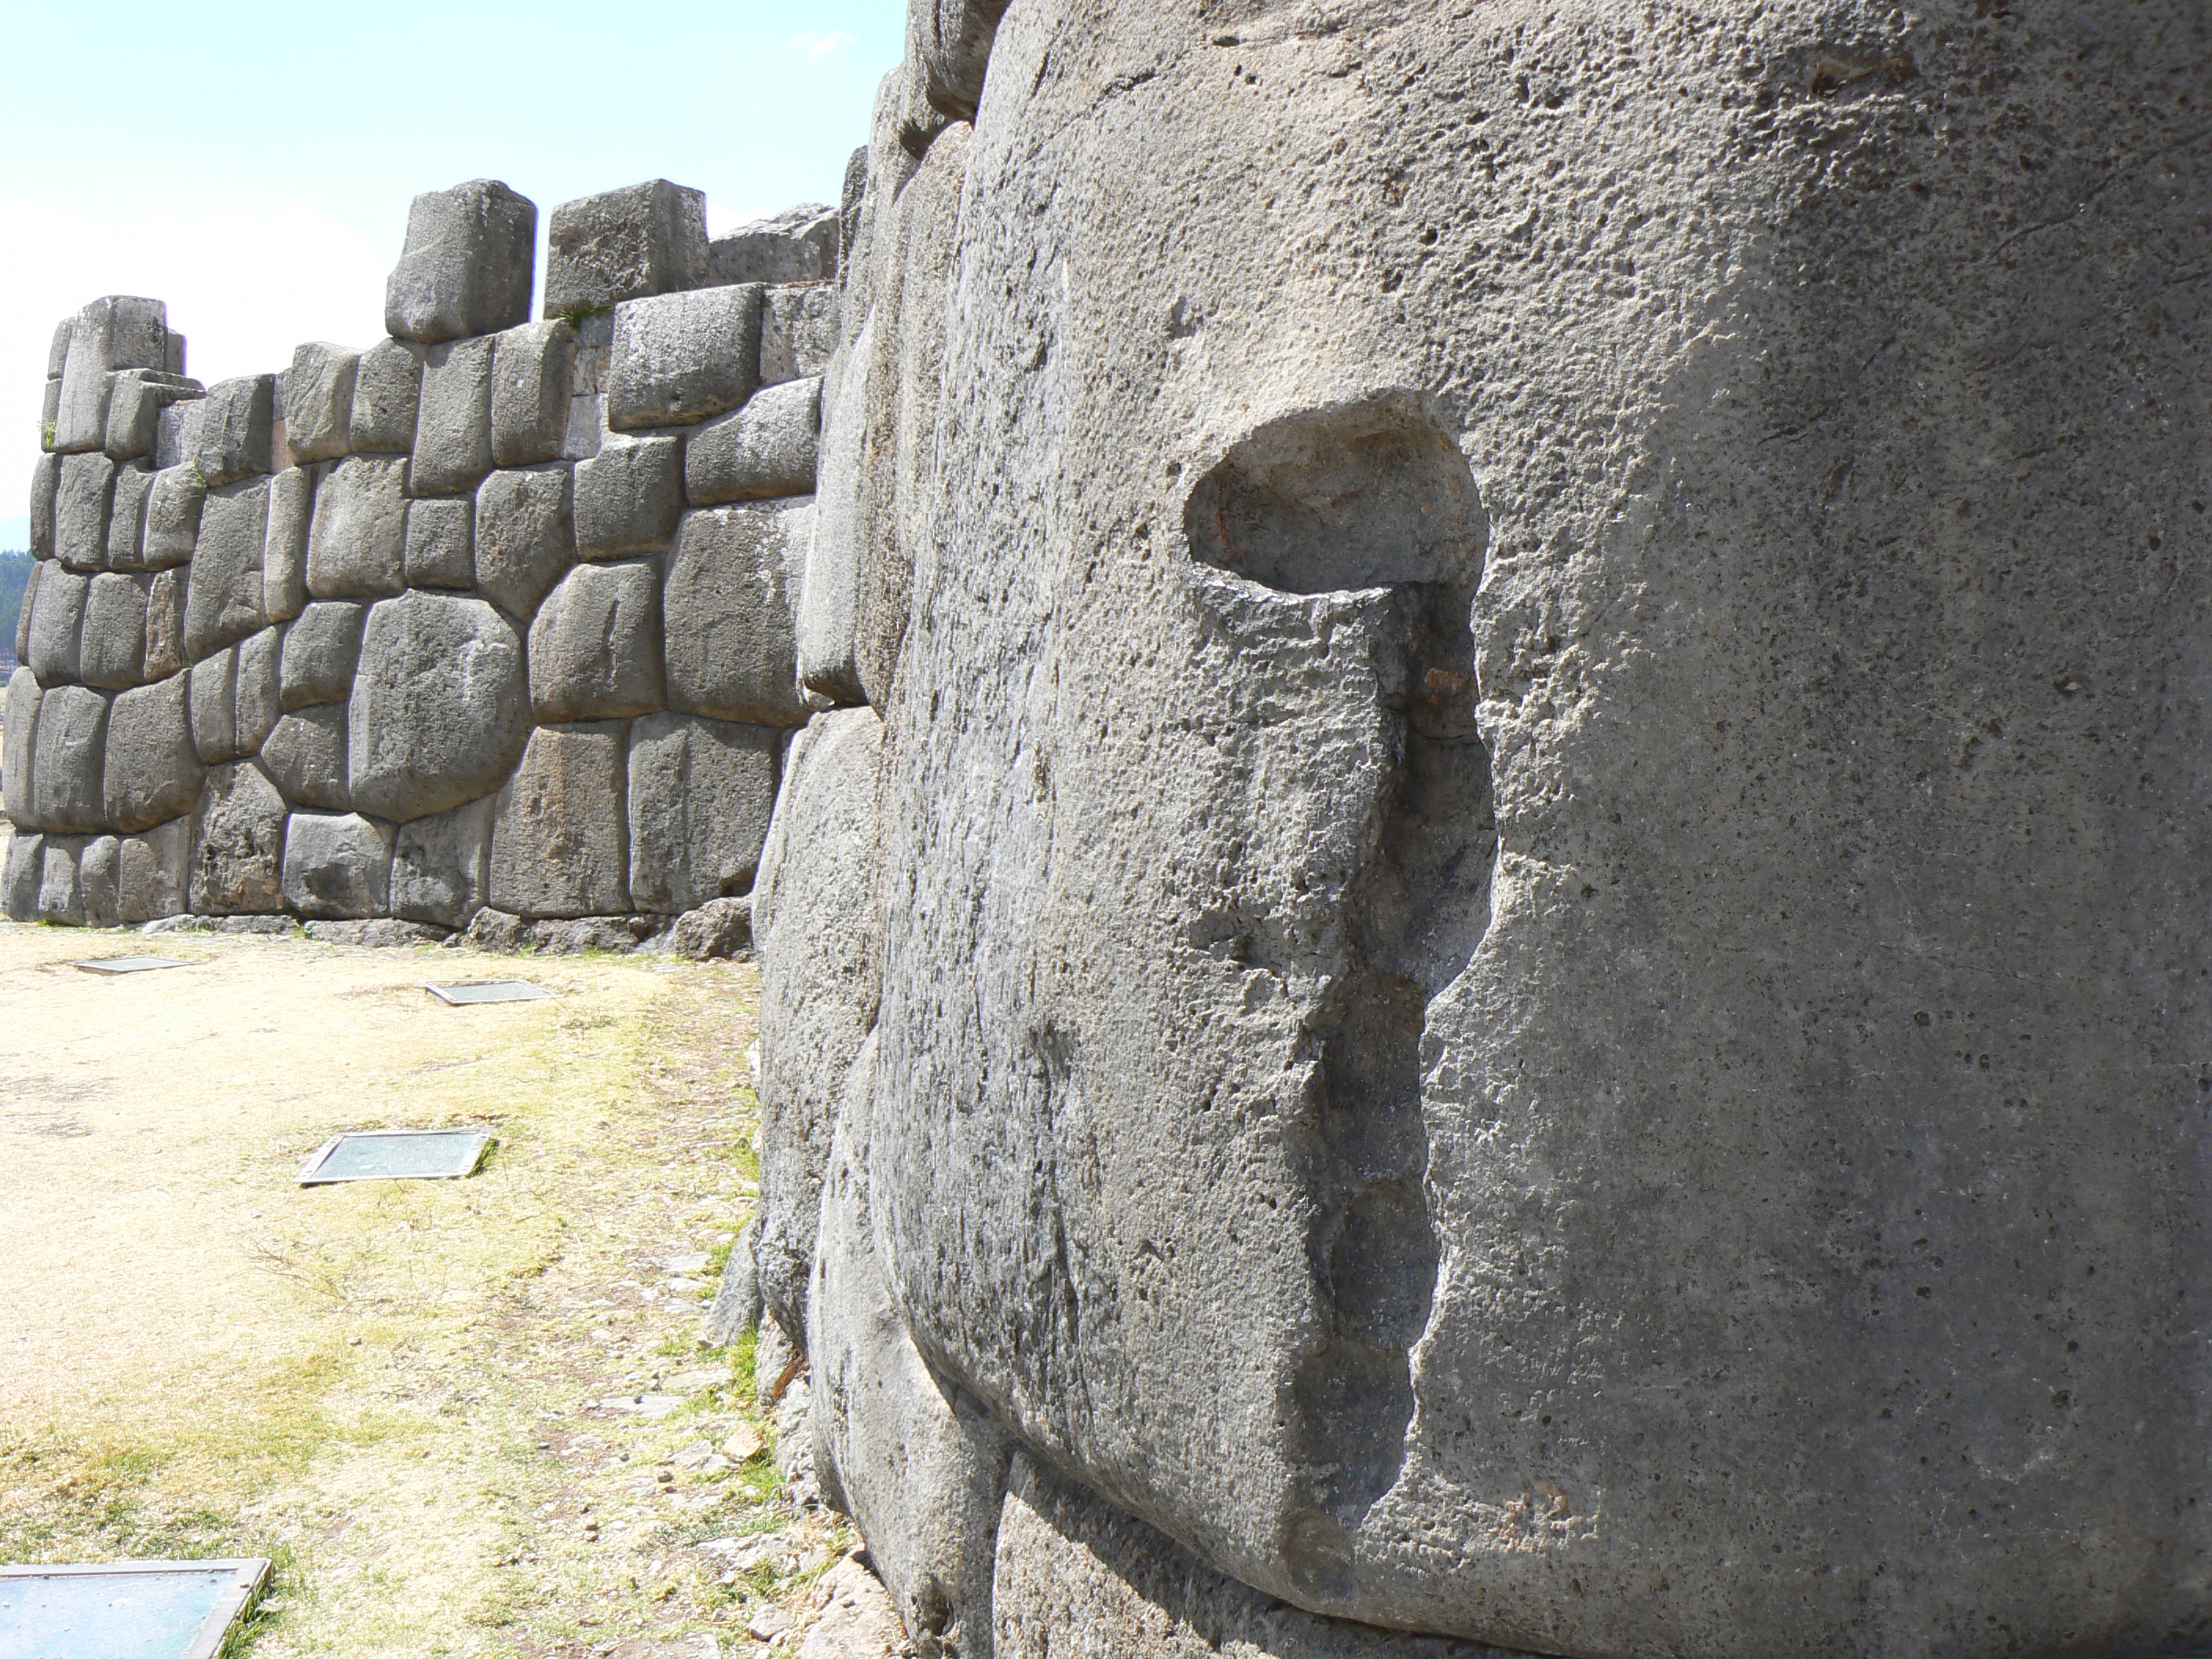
(14, 575)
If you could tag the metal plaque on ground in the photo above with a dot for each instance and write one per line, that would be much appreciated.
(129, 964)
(462, 993)
(398, 1155)
(125, 1609)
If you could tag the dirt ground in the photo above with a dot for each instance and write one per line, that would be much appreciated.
(393, 1389)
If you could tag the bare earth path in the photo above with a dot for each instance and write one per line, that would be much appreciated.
(393, 1388)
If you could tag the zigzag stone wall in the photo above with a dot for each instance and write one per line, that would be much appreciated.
(489, 623)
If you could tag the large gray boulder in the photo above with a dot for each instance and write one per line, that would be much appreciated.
(124, 548)
(112, 643)
(50, 643)
(61, 890)
(305, 758)
(357, 542)
(624, 244)
(46, 487)
(17, 738)
(135, 401)
(231, 434)
(815, 928)
(319, 402)
(223, 598)
(154, 873)
(532, 367)
(799, 333)
(337, 867)
(151, 773)
(559, 839)
(284, 554)
(921, 1469)
(526, 537)
(320, 652)
(107, 337)
(174, 501)
(69, 756)
(629, 497)
(799, 244)
(700, 796)
(441, 867)
(238, 844)
(99, 878)
(765, 450)
(595, 647)
(467, 266)
(387, 396)
(20, 875)
(82, 503)
(441, 543)
(236, 698)
(453, 430)
(440, 706)
(681, 357)
(732, 579)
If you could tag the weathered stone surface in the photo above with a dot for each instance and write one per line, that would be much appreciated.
(321, 651)
(57, 622)
(531, 371)
(319, 402)
(81, 509)
(587, 434)
(46, 486)
(68, 752)
(814, 928)
(152, 772)
(921, 1470)
(24, 612)
(731, 580)
(112, 644)
(231, 433)
(765, 449)
(440, 706)
(165, 625)
(799, 333)
(559, 839)
(700, 794)
(238, 845)
(737, 1305)
(305, 758)
(284, 554)
(629, 497)
(681, 357)
(357, 538)
(61, 893)
(213, 705)
(452, 434)
(719, 930)
(337, 867)
(99, 877)
(174, 501)
(257, 694)
(1075, 1575)
(126, 520)
(20, 876)
(857, 1620)
(135, 402)
(154, 873)
(117, 333)
(441, 543)
(526, 537)
(799, 244)
(387, 394)
(595, 647)
(468, 264)
(223, 597)
(624, 244)
(440, 868)
(22, 719)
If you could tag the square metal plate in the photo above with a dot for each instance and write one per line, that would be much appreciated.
(129, 964)
(462, 993)
(398, 1155)
(125, 1609)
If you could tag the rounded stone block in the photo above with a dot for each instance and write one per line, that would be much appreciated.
(238, 844)
(595, 647)
(560, 844)
(337, 867)
(152, 772)
(440, 706)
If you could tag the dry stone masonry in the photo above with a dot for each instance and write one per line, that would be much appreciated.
(495, 615)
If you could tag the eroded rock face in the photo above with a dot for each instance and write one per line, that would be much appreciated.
(1507, 916)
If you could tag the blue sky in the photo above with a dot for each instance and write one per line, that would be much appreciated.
(251, 165)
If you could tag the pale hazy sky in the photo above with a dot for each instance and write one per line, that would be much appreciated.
(251, 164)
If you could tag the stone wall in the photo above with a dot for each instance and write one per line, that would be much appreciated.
(1503, 937)
(490, 623)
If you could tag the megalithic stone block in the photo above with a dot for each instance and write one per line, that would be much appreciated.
(46, 487)
(100, 873)
(80, 508)
(223, 597)
(212, 708)
(156, 873)
(165, 625)
(453, 432)
(16, 756)
(468, 266)
(440, 866)
(765, 450)
(231, 433)
(441, 543)
(799, 333)
(799, 244)
(440, 706)
(306, 757)
(595, 648)
(525, 536)
(174, 501)
(25, 611)
(61, 892)
(57, 624)
(127, 519)
(20, 875)
(683, 357)
(387, 394)
(357, 535)
(69, 755)
(112, 643)
(629, 497)
(624, 244)
(319, 402)
(560, 843)
(532, 367)
(238, 844)
(153, 772)
(257, 690)
(700, 793)
(336, 867)
(320, 652)
(136, 400)
(284, 556)
(731, 651)
(119, 332)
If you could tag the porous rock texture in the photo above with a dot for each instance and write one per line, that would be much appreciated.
(1524, 726)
